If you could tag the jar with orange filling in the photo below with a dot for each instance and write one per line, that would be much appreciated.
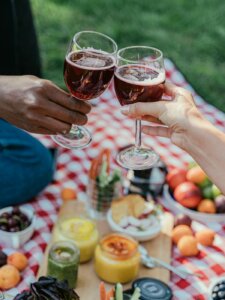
(117, 258)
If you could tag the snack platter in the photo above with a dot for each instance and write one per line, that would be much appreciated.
(88, 282)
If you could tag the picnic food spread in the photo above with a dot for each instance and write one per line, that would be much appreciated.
(117, 258)
(80, 230)
(63, 262)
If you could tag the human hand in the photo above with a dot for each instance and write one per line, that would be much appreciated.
(39, 106)
(173, 117)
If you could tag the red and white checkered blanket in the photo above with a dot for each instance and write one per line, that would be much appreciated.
(113, 130)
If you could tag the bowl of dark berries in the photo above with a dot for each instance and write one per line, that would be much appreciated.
(16, 226)
(217, 289)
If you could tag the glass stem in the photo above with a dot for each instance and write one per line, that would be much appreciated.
(137, 134)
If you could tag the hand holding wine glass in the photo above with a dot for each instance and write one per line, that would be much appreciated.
(171, 116)
(88, 69)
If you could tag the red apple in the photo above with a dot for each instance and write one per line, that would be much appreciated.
(188, 194)
(176, 177)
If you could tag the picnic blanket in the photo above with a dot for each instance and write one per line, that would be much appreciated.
(113, 130)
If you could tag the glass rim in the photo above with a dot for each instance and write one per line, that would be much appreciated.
(95, 33)
(140, 47)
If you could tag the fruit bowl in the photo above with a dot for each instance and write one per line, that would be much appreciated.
(17, 239)
(141, 236)
(172, 204)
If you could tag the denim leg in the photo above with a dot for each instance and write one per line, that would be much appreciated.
(26, 166)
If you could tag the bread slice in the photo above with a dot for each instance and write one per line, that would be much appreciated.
(130, 205)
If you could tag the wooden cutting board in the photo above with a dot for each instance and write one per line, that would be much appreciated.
(88, 282)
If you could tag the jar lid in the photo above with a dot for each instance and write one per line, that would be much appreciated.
(77, 228)
(153, 289)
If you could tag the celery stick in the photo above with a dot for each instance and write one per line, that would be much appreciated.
(136, 295)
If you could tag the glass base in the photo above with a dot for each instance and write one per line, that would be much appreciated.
(78, 137)
(137, 159)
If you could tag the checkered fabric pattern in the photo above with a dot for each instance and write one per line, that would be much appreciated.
(113, 130)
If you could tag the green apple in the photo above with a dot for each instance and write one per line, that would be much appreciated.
(207, 192)
(216, 192)
(205, 183)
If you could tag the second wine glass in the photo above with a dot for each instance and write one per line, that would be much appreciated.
(139, 77)
(88, 69)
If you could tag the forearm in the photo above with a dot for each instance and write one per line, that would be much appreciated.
(206, 144)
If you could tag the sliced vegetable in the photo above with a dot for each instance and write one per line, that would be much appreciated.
(94, 169)
(110, 294)
(102, 291)
(137, 294)
(118, 292)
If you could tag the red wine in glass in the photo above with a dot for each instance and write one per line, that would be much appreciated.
(88, 69)
(88, 73)
(137, 83)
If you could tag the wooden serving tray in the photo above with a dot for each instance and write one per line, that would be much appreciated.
(88, 282)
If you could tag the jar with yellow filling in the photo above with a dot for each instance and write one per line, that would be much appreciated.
(82, 231)
(117, 258)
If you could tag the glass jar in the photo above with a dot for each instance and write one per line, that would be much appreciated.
(63, 262)
(117, 258)
(146, 182)
(100, 198)
(81, 231)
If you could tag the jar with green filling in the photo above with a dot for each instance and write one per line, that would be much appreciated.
(63, 262)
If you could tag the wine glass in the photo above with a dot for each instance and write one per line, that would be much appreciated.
(139, 77)
(88, 69)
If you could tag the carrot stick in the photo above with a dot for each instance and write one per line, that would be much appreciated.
(110, 294)
(102, 291)
(105, 153)
(94, 169)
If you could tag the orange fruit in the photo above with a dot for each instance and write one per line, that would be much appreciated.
(205, 237)
(9, 277)
(196, 175)
(188, 246)
(18, 260)
(179, 231)
(68, 194)
(207, 206)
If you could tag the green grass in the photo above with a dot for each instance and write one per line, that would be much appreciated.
(190, 32)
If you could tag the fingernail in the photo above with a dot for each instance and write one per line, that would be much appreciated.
(125, 109)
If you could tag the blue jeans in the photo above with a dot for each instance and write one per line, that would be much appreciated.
(26, 166)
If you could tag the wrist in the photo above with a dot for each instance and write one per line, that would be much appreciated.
(195, 134)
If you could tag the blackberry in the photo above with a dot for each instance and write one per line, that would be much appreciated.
(218, 292)
(3, 258)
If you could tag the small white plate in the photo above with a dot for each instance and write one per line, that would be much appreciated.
(176, 207)
(141, 236)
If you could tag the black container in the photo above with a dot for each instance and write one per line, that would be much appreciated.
(146, 182)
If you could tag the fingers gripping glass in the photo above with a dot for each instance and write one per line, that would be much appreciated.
(88, 69)
(139, 77)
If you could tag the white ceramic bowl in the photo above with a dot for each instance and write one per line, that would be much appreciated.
(176, 207)
(17, 239)
(141, 236)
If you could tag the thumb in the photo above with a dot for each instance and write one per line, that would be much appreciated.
(140, 109)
